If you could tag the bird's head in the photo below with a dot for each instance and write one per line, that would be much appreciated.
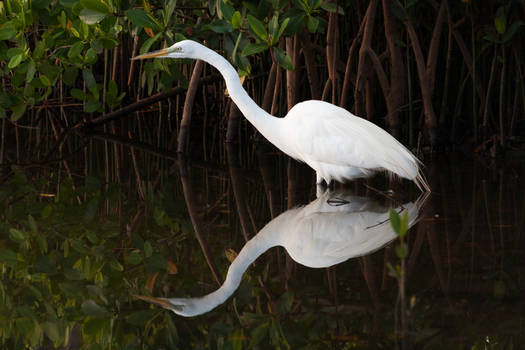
(181, 49)
(181, 306)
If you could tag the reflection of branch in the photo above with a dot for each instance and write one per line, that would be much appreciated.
(239, 192)
(46, 162)
(189, 196)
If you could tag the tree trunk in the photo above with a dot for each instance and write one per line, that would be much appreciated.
(364, 67)
(396, 95)
(311, 70)
(426, 94)
(188, 107)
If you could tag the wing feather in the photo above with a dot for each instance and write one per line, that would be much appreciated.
(320, 132)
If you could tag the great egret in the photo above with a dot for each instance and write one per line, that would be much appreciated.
(331, 229)
(334, 142)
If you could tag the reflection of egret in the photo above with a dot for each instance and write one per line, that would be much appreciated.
(328, 231)
(331, 140)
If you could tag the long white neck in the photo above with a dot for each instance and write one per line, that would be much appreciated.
(267, 124)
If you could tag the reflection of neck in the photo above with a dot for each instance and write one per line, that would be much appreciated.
(248, 254)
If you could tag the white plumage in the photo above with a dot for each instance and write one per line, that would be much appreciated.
(335, 143)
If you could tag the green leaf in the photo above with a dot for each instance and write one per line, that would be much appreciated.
(92, 237)
(91, 308)
(283, 58)
(15, 60)
(115, 265)
(258, 334)
(39, 49)
(252, 49)
(258, 28)
(91, 107)
(147, 44)
(332, 7)
(46, 211)
(7, 31)
(32, 223)
(285, 302)
(312, 23)
(45, 80)
(17, 235)
(236, 20)
(140, 318)
(91, 56)
(93, 326)
(142, 19)
(51, 331)
(393, 271)
(91, 83)
(512, 30)
(500, 21)
(148, 249)
(227, 10)
(395, 220)
(31, 69)
(8, 257)
(92, 205)
(155, 263)
(499, 289)
(70, 75)
(78, 94)
(134, 258)
(111, 93)
(282, 28)
(75, 49)
(18, 111)
(91, 17)
(96, 5)
(79, 246)
(273, 28)
(220, 26)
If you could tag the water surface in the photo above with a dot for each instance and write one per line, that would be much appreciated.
(81, 240)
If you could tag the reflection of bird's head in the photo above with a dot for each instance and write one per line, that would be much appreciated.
(181, 49)
(181, 306)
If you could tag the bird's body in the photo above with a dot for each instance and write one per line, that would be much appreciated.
(335, 143)
(340, 146)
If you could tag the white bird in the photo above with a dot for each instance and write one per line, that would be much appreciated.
(334, 142)
(331, 229)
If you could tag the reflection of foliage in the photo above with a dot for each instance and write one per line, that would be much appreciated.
(69, 270)
(65, 265)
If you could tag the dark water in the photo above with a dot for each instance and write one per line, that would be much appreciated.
(76, 254)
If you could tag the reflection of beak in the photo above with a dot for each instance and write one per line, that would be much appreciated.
(158, 53)
(157, 301)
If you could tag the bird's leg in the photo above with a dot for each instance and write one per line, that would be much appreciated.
(320, 190)
(319, 179)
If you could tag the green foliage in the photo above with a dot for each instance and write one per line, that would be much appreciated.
(64, 265)
(399, 225)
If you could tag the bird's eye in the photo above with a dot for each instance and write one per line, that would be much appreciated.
(178, 49)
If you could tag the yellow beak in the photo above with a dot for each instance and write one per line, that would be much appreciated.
(157, 301)
(162, 52)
